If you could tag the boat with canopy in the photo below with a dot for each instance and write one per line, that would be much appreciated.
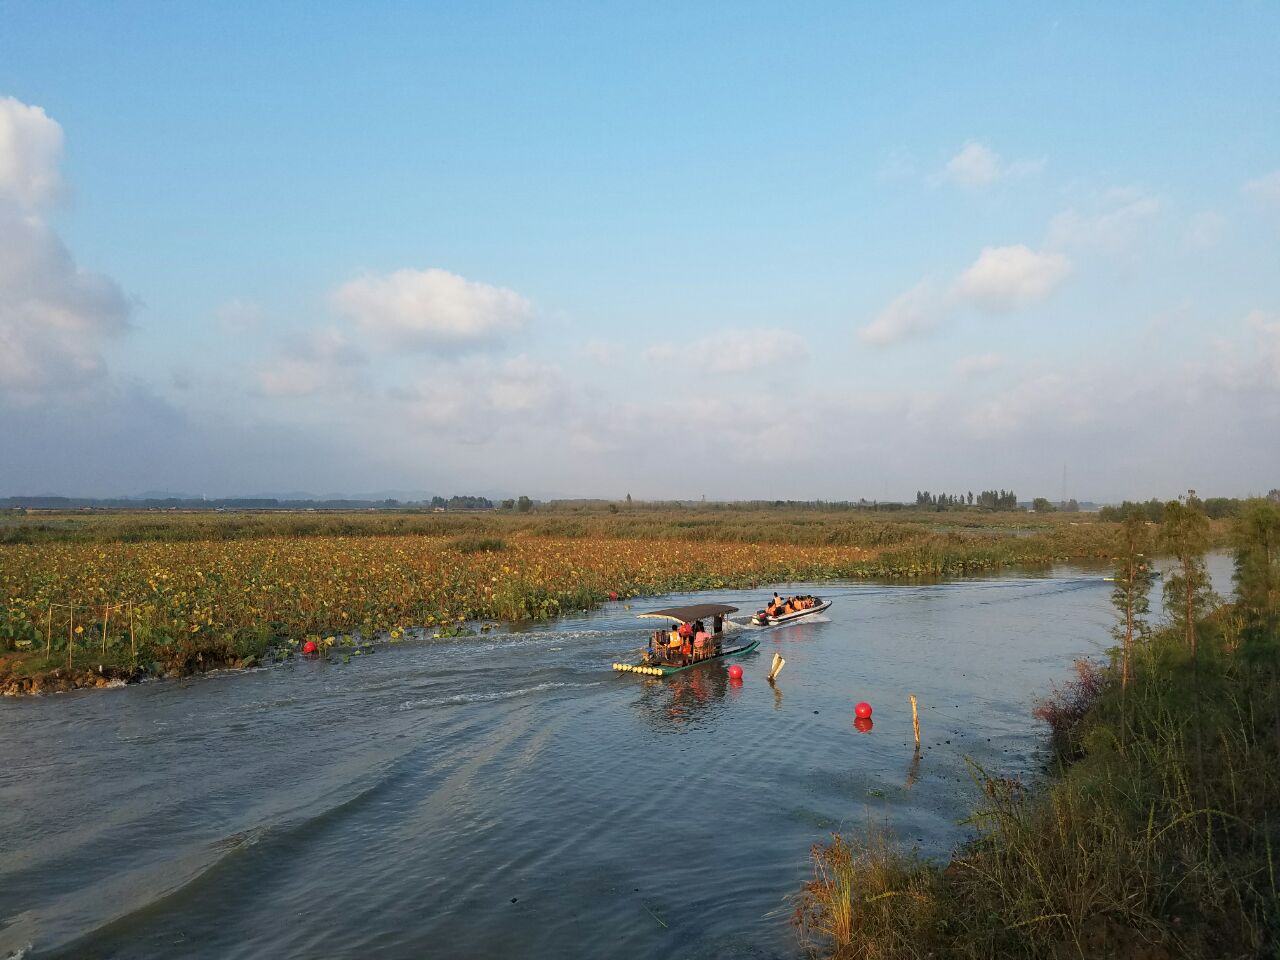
(688, 643)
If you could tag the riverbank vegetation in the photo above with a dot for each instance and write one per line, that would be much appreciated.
(1157, 833)
(99, 596)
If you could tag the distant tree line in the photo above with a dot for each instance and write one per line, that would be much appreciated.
(1215, 508)
(987, 499)
(462, 503)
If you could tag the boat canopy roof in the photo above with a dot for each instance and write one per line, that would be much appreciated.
(689, 614)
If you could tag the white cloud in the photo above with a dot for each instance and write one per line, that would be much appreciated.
(322, 362)
(55, 316)
(975, 366)
(1265, 189)
(1114, 228)
(732, 351)
(603, 353)
(1251, 359)
(1038, 402)
(1005, 278)
(911, 314)
(476, 400)
(977, 165)
(432, 309)
(30, 149)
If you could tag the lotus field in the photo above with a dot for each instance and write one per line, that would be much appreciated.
(182, 605)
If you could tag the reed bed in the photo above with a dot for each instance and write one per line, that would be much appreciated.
(1157, 837)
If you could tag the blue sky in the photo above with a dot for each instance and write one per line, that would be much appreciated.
(740, 250)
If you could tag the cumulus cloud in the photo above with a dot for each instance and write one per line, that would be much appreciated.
(977, 165)
(55, 316)
(30, 148)
(912, 314)
(1265, 190)
(425, 310)
(320, 362)
(1005, 278)
(1113, 228)
(732, 351)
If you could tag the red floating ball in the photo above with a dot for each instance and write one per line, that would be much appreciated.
(735, 672)
(862, 711)
(309, 647)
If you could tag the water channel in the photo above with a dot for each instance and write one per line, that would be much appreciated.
(508, 794)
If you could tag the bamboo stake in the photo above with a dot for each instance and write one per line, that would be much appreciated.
(71, 633)
(915, 720)
(133, 644)
(106, 615)
(48, 635)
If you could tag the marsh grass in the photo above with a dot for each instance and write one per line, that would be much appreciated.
(1157, 836)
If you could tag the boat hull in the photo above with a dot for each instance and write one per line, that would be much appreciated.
(760, 621)
(666, 670)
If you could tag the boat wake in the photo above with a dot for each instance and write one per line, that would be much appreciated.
(492, 695)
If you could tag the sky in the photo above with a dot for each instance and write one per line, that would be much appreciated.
(739, 250)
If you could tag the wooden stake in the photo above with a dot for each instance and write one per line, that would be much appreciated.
(48, 635)
(915, 719)
(106, 614)
(133, 644)
(71, 634)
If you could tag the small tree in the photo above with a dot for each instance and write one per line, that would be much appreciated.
(524, 504)
(1187, 592)
(1042, 505)
(1132, 594)
(1257, 574)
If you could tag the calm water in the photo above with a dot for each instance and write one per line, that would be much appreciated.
(510, 795)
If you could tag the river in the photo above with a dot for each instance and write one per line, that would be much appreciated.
(508, 794)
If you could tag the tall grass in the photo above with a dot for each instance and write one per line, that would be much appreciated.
(1158, 838)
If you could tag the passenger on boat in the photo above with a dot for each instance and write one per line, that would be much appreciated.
(717, 624)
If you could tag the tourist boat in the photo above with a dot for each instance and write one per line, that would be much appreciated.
(659, 663)
(761, 619)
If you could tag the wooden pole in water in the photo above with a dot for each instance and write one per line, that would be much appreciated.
(915, 720)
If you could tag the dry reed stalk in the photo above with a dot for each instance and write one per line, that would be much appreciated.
(915, 719)
(48, 635)
(71, 633)
(133, 644)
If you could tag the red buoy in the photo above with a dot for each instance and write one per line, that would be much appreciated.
(735, 672)
(862, 711)
(309, 647)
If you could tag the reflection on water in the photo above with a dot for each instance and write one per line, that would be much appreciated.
(509, 794)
